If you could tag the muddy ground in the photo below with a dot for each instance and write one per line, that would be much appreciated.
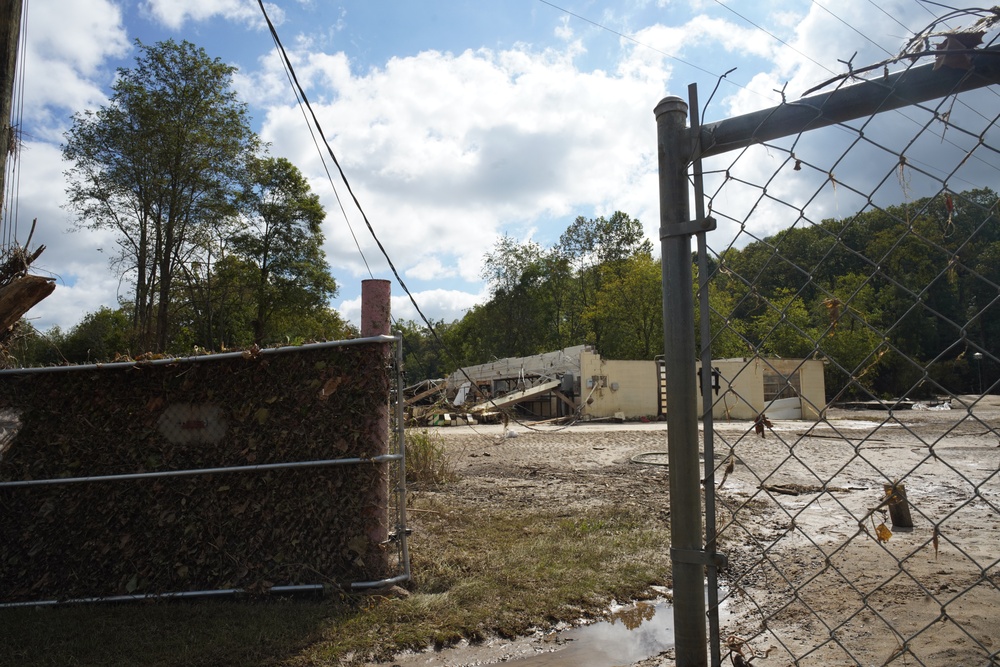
(810, 582)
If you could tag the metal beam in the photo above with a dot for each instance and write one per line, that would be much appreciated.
(515, 397)
(906, 88)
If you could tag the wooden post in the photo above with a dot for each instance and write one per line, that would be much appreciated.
(899, 507)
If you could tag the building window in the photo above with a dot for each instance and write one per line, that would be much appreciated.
(778, 386)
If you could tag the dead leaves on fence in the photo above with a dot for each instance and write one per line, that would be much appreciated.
(203, 532)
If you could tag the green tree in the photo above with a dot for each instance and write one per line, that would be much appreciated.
(848, 337)
(595, 248)
(523, 314)
(631, 305)
(100, 336)
(424, 358)
(282, 241)
(159, 165)
(28, 347)
(784, 328)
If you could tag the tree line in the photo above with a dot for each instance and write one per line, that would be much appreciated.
(217, 244)
(897, 300)
(599, 284)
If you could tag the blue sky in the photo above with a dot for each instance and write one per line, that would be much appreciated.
(456, 121)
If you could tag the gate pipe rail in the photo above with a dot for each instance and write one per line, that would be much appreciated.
(867, 98)
(260, 467)
(166, 361)
(681, 388)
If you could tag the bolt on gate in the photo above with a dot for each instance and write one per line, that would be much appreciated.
(857, 230)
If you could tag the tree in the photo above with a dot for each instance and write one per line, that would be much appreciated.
(29, 347)
(631, 304)
(282, 241)
(517, 321)
(159, 165)
(595, 248)
(100, 336)
(424, 358)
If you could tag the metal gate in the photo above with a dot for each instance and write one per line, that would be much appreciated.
(852, 226)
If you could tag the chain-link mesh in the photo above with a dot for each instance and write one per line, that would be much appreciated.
(279, 469)
(873, 245)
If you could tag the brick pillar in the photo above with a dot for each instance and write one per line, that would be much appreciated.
(375, 321)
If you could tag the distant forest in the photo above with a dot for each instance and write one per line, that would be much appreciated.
(896, 300)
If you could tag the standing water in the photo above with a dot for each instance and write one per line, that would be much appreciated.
(631, 634)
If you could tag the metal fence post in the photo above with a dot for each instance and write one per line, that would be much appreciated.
(687, 555)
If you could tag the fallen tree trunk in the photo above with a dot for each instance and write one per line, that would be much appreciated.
(19, 296)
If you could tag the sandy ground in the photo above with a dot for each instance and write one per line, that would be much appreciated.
(809, 582)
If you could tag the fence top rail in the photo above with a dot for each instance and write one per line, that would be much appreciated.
(869, 97)
(247, 354)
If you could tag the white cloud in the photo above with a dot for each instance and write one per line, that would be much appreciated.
(66, 68)
(701, 31)
(767, 196)
(68, 304)
(430, 268)
(83, 280)
(447, 151)
(175, 13)
(97, 32)
(66, 71)
(563, 30)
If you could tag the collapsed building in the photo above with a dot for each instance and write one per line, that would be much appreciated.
(576, 382)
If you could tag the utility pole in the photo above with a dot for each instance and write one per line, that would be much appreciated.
(10, 36)
(19, 292)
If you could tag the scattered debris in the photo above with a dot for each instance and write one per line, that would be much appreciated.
(760, 422)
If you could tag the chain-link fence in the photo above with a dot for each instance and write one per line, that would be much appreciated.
(859, 227)
(268, 470)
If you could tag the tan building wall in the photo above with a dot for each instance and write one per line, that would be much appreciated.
(610, 387)
(746, 388)
(742, 385)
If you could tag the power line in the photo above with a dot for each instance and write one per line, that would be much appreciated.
(343, 176)
(647, 46)
(290, 70)
(881, 9)
(773, 36)
(626, 36)
(877, 45)
(322, 160)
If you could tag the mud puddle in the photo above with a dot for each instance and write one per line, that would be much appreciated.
(631, 634)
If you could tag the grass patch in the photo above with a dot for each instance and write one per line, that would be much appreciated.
(427, 461)
(476, 573)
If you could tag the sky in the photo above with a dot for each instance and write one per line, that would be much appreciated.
(455, 121)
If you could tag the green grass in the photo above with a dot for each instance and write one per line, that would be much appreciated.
(427, 461)
(476, 573)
